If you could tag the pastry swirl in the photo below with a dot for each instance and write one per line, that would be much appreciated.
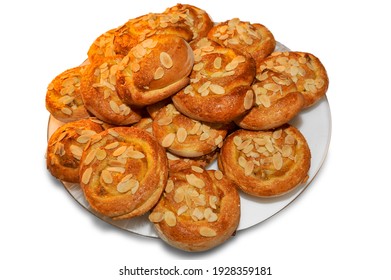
(63, 97)
(123, 172)
(304, 69)
(277, 101)
(186, 137)
(66, 145)
(155, 69)
(266, 163)
(220, 84)
(253, 38)
(100, 96)
(198, 211)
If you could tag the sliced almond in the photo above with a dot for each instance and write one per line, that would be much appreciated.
(277, 161)
(207, 232)
(166, 60)
(85, 178)
(181, 134)
(156, 217)
(159, 73)
(168, 140)
(135, 154)
(169, 218)
(106, 177)
(195, 181)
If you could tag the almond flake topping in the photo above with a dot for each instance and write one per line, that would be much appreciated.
(166, 60)
(195, 181)
(207, 232)
(85, 178)
(181, 134)
(168, 140)
(159, 73)
(169, 218)
(135, 154)
(156, 217)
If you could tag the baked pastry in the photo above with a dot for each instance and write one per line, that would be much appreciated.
(155, 69)
(176, 162)
(219, 89)
(253, 38)
(277, 101)
(99, 93)
(197, 19)
(198, 211)
(63, 98)
(305, 70)
(266, 163)
(123, 173)
(65, 148)
(184, 136)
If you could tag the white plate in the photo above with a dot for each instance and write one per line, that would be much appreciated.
(314, 123)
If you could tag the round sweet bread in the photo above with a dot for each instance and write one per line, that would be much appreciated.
(123, 172)
(176, 162)
(198, 211)
(184, 136)
(220, 84)
(154, 69)
(277, 101)
(253, 38)
(63, 98)
(66, 145)
(266, 163)
(99, 92)
(304, 69)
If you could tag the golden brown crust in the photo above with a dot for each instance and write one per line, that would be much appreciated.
(305, 70)
(198, 211)
(219, 89)
(66, 145)
(266, 163)
(255, 39)
(277, 101)
(155, 69)
(123, 172)
(63, 98)
(99, 93)
(186, 137)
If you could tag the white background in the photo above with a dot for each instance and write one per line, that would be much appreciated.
(339, 228)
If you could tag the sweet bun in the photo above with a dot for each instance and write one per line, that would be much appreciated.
(186, 137)
(277, 101)
(100, 96)
(155, 69)
(255, 39)
(123, 172)
(266, 163)
(305, 70)
(220, 84)
(63, 97)
(198, 211)
(66, 145)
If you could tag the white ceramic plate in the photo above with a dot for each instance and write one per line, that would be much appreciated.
(314, 123)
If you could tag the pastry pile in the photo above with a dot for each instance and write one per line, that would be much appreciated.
(164, 95)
